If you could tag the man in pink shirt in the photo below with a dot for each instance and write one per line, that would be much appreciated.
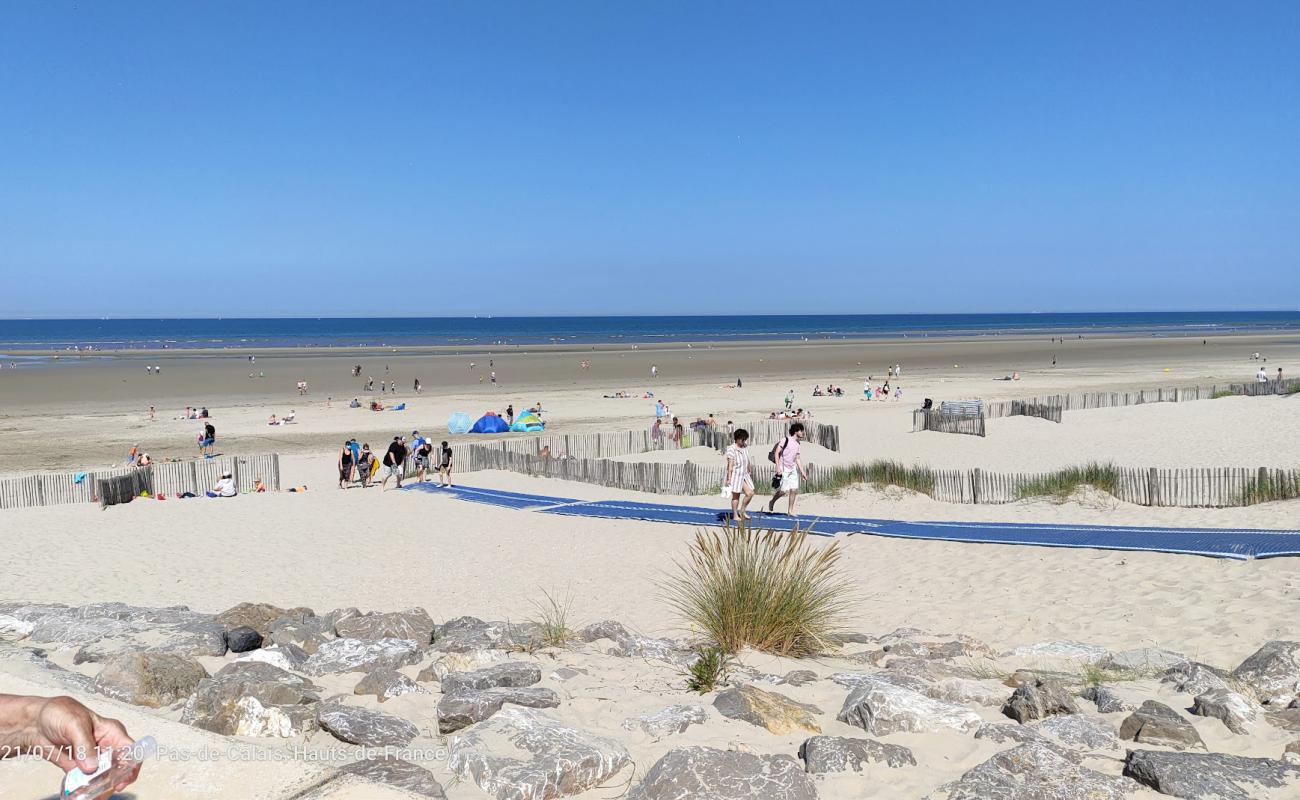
(792, 471)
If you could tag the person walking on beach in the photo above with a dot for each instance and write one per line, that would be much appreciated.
(393, 460)
(444, 465)
(417, 385)
(740, 480)
(494, 378)
(789, 399)
(654, 371)
(365, 464)
(345, 464)
(151, 411)
(423, 453)
(209, 439)
(793, 474)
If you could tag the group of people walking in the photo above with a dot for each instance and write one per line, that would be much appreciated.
(357, 464)
(739, 473)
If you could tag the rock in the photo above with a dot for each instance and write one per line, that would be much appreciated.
(466, 634)
(13, 629)
(800, 677)
(356, 655)
(775, 712)
(243, 639)
(851, 638)
(1033, 771)
(149, 678)
(511, 673)
(606, 629)
(1292, 753)
(1003, 732)
(252, 698)
(396, 772)
(307, 637)
(524, 754)
(704, 773)
(1157, 723)
(1107, 701)
(567, 673)
(1235, 710)
(364, 727)
(823, 754)
(194, 639)
(257, 616)
(673, 719)
(285, 656)
(37, 659)
(1144, 660)
(927, 682)
(466, 707)
(386, 684)
(882, 708)
(1287, 719)
(414, 624)
(1210, 776)
(1078, 732)
(1020, 677)
(447, 663)
(331, 619)
(1273, 672)
(1195, 678)
(1071, 651)
(1039, 700)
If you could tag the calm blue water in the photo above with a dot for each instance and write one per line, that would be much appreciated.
(19, 335)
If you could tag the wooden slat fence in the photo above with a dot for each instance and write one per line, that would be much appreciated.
(1178, 394)
(170, 478)
(769, 431)
(1048, 408)
(933, 420)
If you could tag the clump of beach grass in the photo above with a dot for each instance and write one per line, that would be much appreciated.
(877, 473)
(1064, 482)
(1276, 485)
(553, 614)
(709, 671)
(1222, 393)
(770, 590)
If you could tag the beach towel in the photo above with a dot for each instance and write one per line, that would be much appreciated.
(79, 477)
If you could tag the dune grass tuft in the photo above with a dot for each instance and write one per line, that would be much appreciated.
(877, 473)
(1064, 482)
(553, 614)
(770, 590)
(709, 671)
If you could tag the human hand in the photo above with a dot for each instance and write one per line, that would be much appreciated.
(69, 735)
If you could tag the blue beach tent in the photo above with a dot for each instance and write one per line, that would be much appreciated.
(528, 423)
(490, 423)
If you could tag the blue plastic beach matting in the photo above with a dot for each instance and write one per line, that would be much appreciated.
(1239, 543)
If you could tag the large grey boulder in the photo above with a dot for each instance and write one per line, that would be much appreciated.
(257, 616)
(357, 655)
(1195, 678)
(522, 754)
(882, 708)
(605, 629)
(1059, 652)
(1144, 660)
(399, 773)
(1212, 776)
(468, 706)
(1157, 723)
(468, 634)
(1033, 771)
(703, 773)
(510, 673)
(673, 719)
(13, 658)
(1075, 731)
(931, 683)
(1273, 672)
(775, 712)
(823, 754)
(306, 636)
(148, 678)
(414, 624)
(253, 698)
(285, 656)
(1235, 710)
(1106, 700)
(194, 639)
(1039, 700)
(633, 645)
(365, 727)
(385, 684)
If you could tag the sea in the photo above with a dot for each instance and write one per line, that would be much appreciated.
(18, 335)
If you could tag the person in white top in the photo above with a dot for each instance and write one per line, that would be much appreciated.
(1261, 376)
(792, 470)
(739, 475)
(225, 487)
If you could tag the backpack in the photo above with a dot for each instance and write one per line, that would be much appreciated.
(774, 454)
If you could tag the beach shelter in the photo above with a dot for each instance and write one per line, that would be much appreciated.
(490, 423)
(459, 423)
(528, 423)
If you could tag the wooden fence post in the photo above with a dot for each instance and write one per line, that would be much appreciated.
(1153, 487)
(975, 485)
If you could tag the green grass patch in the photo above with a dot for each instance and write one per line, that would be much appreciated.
(770, 590)
(1064, 482)
(1223, 393)
(709, 671)
(1277, 485)
(877, 473)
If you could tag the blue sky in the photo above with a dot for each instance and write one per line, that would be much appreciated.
(227, 158)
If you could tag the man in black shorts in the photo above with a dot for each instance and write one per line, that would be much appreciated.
(422, 455)
(444, 465)
(394, 460)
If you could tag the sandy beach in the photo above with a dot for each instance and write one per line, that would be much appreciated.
(387, 551)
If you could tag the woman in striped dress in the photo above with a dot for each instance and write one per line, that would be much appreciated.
(739, 477)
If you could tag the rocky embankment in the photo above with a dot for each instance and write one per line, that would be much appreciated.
(938, 716)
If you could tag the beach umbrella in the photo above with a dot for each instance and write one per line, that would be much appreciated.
(459, 423)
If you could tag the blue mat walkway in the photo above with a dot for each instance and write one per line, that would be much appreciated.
(1239, 543)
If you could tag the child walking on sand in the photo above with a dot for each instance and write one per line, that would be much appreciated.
(740, 480)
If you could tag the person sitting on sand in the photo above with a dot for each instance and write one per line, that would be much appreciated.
(273, 421)
(817, 391)
(545, 453)
(224, 487)
(356, 403)
(144, 460)
(292, 416)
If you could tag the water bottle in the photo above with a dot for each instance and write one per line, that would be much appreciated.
(116, 767)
